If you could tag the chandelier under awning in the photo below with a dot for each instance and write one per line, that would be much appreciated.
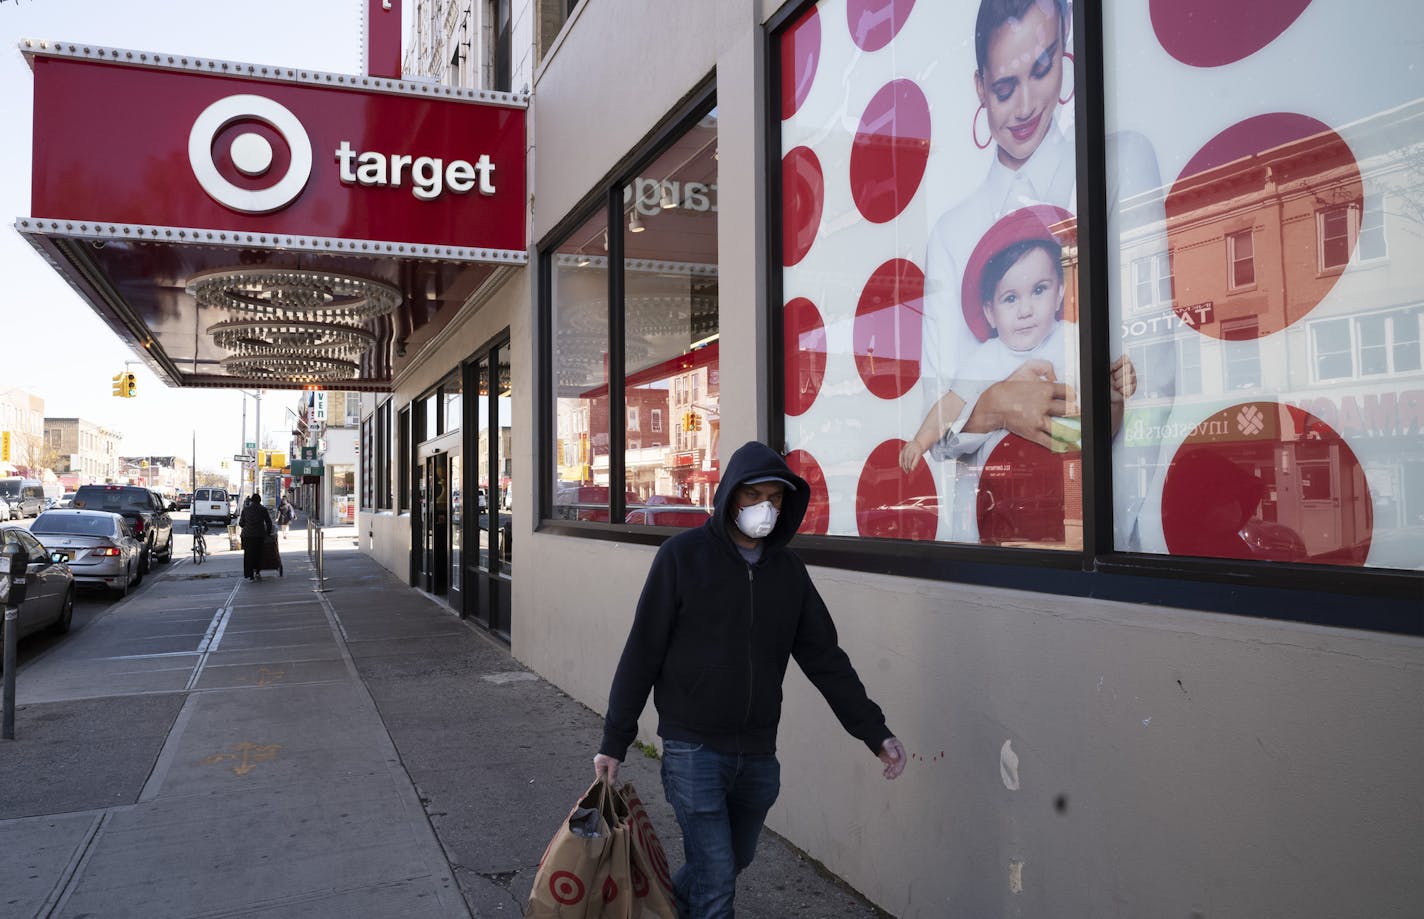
(290, 323)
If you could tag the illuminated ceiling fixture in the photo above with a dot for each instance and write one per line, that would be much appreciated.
(582, 260)
(254, 336)
(668, 201)
(293, 366)
(288, 293)
(292, 325)
(634, 224)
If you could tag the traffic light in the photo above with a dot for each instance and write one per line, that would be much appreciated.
(119, 385)
(130, 386)
(4, 446)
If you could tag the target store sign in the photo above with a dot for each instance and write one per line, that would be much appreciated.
(315, 155)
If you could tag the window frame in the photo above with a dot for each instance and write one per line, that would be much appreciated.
(1316, 594)
(607, 197)
(1232, 260)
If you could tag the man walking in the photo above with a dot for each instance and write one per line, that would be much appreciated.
(285, 513)
(256, 525)
(724, 608)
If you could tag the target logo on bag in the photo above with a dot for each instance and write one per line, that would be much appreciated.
(640, 882)
(610, 890)
(566, 888)
(648, 842)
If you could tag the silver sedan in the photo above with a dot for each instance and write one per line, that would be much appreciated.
(49, 592)
(102, 550)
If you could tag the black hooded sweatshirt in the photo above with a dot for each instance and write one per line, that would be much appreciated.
(712, 634)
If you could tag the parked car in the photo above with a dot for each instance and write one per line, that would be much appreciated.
(211, 506)
(184, 500)
(66, 500)
(145, 512)
(99, 547)
(8, 511)
(26, 494)
(49, 584)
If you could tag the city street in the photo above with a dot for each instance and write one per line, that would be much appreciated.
(209, 746)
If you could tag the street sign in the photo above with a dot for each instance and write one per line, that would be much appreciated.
(250, 445)
(244, 458)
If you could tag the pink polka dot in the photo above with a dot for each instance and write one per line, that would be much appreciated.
(891, 504)
(1030, 496)
(800, 53)
(888, 325)
(1305, 158)
(818, 513)
(803, 193)
(875, 23)
(1210, 33)
(1262, 480)
(890, 150)
(804, 351)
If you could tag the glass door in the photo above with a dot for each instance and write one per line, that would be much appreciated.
(457, 501)
(490, 572)
(437, 523)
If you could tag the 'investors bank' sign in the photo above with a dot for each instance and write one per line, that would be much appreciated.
(275, 151)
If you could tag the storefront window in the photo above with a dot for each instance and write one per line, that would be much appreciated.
(1296, 434)
(454, 400)
(662, 371)
(671, 331)
(579, 319)
(929, 272)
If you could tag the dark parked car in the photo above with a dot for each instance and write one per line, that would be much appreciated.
(49, 590)
(145, 511)
(98, 545)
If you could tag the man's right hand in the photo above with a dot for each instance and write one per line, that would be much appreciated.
(606, 766)
(1024, 403)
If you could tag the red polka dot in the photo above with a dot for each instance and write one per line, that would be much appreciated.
(1030, 496)
(1210, 33)
(1305, 158)
(889, 322)
(804, 350)
(818, 513)
(875, 23)
(890, 150)
(800, 53)
(1262, 480)
(803, 192)
(891, 504)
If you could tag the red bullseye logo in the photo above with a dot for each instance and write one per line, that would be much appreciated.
(250, 153)
(566, 887)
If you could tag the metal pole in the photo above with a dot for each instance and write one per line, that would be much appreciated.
(242, 473)
(12, 632)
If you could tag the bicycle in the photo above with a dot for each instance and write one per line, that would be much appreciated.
(200, 543)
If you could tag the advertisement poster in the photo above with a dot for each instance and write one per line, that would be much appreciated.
(1267, 400)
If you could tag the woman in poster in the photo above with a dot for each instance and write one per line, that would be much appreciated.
(1021, 49)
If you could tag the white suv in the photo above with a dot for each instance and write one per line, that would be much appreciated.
(210, 506)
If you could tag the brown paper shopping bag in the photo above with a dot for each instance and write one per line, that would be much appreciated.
(572, 872)
(647, 862)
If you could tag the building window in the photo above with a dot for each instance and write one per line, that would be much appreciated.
(1351, 233)
(383, 456)
(1241, 354)
(651, 251)
(1240, 255)
(1152, 280)
(403, 461)
(368, 472)
(1374, 345)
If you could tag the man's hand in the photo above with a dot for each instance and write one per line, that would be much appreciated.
(1024, 403)
(606, 766)
(892, 754)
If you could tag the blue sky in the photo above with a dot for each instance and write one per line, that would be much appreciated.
(68, 354)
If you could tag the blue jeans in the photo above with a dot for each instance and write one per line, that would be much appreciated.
(720, 800)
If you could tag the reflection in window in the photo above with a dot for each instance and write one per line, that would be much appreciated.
(579, 320)
(1239, 249)
(1335, 237)
(671, 328)
(1331, 341)
(1242, 354)
(1152, 280)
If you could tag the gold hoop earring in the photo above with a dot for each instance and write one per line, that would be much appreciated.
(974, 128)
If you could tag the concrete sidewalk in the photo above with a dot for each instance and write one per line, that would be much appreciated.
(217, 747)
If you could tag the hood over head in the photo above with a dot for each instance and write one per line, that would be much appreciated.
(755, 460)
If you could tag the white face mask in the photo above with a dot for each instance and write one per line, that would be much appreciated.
(757, 520)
